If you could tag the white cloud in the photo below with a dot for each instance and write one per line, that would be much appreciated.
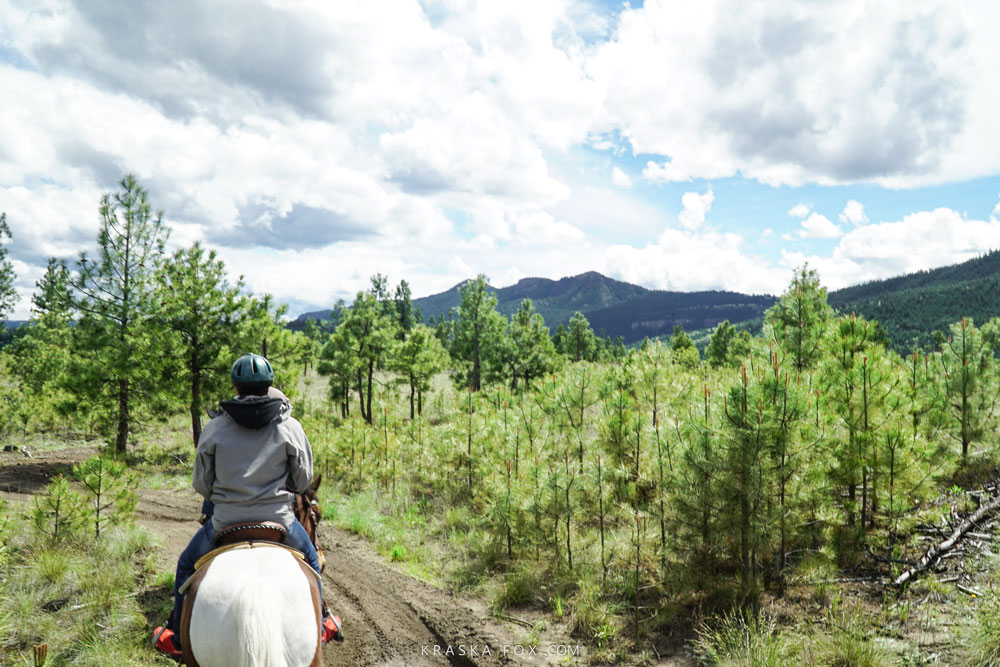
(696, 207)
(854, 213)
(996, 210)
(668, 172)
(620, 178)
(598, 209)
(922, 240)
(771, 91)
(818, 226)
(798, 211)
(541, 228)
(690, 261)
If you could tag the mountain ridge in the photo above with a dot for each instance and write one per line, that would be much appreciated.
(909, 306)
(606, 304)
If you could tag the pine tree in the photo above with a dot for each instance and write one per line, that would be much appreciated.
(407, 315)
(579, 342)
(8, 295)
(683, 348)
(261, 330)
(478, 332)
(968, 367)
(418, 358)
(799, 319)
(530, 353)
(204, 310)
(364, 337)
(53, 297)
(41, 355)
(717, 352)
(337, 361)
(116, 348)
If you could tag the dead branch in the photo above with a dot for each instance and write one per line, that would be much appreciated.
(934, 553)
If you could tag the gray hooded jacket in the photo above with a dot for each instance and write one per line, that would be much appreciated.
(251, 459)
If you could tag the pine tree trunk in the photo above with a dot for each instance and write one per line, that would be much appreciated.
(412, 396)
(371, 374)
(121, 442)
(195, 406)
(361, 397)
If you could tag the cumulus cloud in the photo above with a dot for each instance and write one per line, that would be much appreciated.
(854, 213)
(996, 210)
(772, 92)
(667, 172)
(818, 226)
(921, 240)
(689, 261)
(696, 207)
(620, 178)
(798, 211)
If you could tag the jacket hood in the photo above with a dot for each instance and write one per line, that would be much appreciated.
(256, 412)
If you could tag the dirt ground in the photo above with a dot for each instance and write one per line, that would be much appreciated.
(389, 618)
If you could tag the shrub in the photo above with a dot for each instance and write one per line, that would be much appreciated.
(741, 639)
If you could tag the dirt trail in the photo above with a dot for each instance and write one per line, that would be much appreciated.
(389, 618)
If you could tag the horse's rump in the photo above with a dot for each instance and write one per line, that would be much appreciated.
(256, 607)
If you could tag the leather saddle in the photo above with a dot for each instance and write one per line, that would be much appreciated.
(254, 531)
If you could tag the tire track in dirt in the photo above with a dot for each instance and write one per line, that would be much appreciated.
(392, 619)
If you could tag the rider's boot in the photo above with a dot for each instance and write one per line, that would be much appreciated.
(331, 626)
(165, 641)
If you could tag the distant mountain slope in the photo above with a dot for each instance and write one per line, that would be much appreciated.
(910, 307)
(557, 300)
(657, 312)
(613, 307)
(913, 306)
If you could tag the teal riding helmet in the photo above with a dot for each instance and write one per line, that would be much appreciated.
(251, 369)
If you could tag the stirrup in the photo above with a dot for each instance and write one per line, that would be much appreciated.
(164, 642)
(332, 627)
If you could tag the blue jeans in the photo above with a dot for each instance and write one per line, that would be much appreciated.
(202, 543)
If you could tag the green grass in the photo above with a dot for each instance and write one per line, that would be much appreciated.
(984, 642)
(399, 537)
(79, 596)
(742, 638)
(851, 642)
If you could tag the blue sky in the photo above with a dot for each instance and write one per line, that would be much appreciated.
(677, 145)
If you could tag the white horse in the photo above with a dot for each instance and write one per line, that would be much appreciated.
(253, 607)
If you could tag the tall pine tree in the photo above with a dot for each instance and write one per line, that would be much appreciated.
(8, 295)
(478, 332)
(203, 310)
(116, 348)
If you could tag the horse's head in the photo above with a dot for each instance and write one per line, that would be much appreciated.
(308, 512)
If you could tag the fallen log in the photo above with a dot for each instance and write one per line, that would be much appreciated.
(935, 552)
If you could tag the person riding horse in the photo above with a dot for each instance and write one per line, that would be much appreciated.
(252, 458)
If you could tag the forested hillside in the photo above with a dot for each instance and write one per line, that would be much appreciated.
(614, 308)
(914, 306)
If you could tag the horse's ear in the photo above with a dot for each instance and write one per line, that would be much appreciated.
(317, 480)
